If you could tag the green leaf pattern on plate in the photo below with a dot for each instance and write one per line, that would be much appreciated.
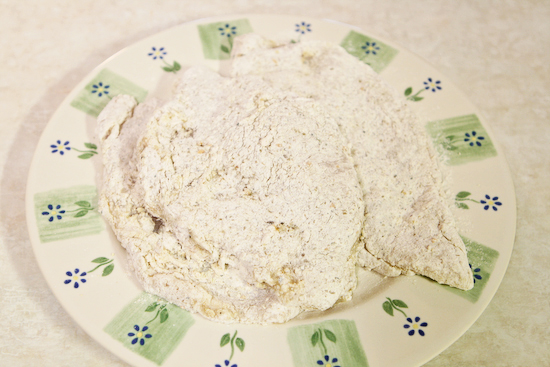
(79, 217)
(394, 304)
(369, 50)
(332, 342)
(94, 97)
(103, 261)
(217, 38)
(232, 341)
(92, 150)
(461, 139)
(135, 318)
(482, 261)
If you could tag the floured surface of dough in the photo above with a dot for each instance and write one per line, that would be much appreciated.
(252, 198)
(234, 200)
(408, 227)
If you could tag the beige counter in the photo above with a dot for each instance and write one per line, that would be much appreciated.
(497, 52)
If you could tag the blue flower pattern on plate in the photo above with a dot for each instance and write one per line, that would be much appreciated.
(474, 272)
(54, 212)
(473, 139)
(303, 27)
(100, 89)
(228, 30)
(139, 335)
(414, 325)
(490, 202)
(432, 85)
(157, 53)
(370, 47)
(226, 363)
(60, 147)
(75, 276)
(328, 362)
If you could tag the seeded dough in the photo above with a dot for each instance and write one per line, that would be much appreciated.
(234, 200)
(408, 226)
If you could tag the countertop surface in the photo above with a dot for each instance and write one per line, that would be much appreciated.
(498, 52)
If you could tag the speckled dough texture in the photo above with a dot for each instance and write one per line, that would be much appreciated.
(251, 198)
(239, 202)
(408, 225)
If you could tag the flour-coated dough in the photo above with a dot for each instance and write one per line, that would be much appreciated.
(408, 227)
(252, 198)
(234, 200)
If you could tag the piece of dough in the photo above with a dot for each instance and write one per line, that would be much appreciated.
(408, 226)
(234, 200)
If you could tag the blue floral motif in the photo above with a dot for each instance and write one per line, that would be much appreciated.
(473, 139)
(54, 212)
(490, 202)
(226, 363)
(140, 335)
(60, 147)
(370, 47)
(76, 277)
(415, 326)
(157, 53)
(432, 85)
(228, 30)
(328, 362)
(474, 271)
(303, 27)
(100, 89)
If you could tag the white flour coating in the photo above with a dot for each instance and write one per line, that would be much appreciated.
(252, 198)
(234, 200)
(408, 226)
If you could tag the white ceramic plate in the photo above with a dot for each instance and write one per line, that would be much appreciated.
(403, 321)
